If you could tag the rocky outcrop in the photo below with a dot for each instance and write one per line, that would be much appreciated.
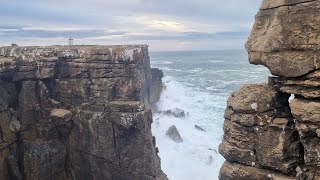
(176, 112)
(199, 128)
(173, 133)
(78, 112)
(156, 85)
(266, 135)
(285, 37)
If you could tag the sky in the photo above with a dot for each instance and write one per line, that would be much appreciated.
(165, 25)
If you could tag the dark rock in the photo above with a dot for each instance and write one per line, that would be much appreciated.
(178, 113)
(8, 95)
(199, 128)
(79, 112)
(44, 160)
(173, 133)
(210, 159)
(156, 85)
(13, 168)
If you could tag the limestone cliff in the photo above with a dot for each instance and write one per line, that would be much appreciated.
(266, 135)
(77, 112)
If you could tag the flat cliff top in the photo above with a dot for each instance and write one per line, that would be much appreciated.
(105, 52)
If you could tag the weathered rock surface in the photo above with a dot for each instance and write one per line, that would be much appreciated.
(265, 137)
(243, 172)
(256, 98)
(286, 38)
(258, 130)
(306, 86)
(80, 112)
(307, 115)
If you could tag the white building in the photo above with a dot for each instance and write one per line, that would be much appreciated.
(70, 42)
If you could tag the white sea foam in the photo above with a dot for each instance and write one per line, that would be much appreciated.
(217, 61)
(161, 62)
(212, 88)
(199, 84)
(169, 69)
(197, 157)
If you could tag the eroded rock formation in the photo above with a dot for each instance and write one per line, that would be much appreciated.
(266, 136)
(80, 112)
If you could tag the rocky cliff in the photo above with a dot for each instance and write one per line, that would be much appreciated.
(266, 135)
(78, 112)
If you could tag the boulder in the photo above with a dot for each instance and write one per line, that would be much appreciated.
(61, 114)
(14, 126)
(173, 133)
(178, 113)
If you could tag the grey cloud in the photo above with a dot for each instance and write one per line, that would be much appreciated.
(104, 12)
(10, 27)
(40, 33)
(97, 15)
(192, 36)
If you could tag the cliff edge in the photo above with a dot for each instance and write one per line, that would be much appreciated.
(268, 135)
(77, 112)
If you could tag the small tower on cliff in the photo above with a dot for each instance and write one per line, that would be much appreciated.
(70, 42)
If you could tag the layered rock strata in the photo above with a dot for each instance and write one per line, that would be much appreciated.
(266, 135)
(78, 112)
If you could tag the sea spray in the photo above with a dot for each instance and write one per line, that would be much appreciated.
(198, 83)
(197, 156)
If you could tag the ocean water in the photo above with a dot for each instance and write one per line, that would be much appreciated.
(198, 82)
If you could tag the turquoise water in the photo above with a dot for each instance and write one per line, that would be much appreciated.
(198, 82)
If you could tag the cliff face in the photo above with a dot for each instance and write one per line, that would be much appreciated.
(80, 112)
(268, 136)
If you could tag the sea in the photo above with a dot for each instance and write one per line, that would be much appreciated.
(199, 83)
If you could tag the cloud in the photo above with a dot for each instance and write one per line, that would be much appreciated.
(184, 22)
(54, 33)
(191, 36)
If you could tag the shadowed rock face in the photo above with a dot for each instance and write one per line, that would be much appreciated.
(156, 85)
(265, 136)
(77, 112)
